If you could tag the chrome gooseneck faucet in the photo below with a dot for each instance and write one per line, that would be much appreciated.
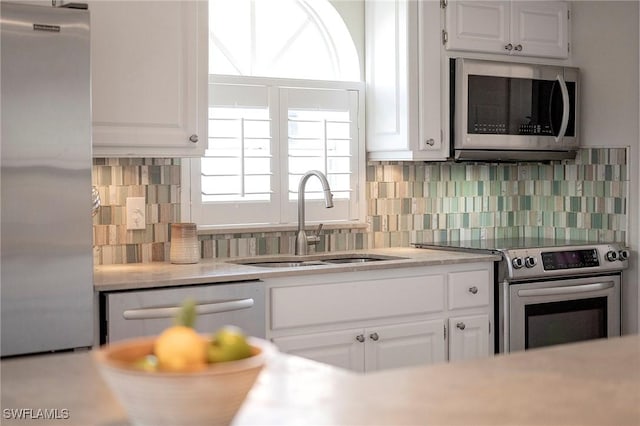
(302, 240)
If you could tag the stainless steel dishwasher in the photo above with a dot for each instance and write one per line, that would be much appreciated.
(136, 313)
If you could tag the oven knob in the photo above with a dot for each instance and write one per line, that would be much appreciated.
(612, 256)
(517, 262)
(623, 255)
(530, 262)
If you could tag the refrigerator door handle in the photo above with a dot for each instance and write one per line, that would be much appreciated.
(204, 309)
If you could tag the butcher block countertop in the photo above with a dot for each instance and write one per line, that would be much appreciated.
(210, 271)
(589, 383)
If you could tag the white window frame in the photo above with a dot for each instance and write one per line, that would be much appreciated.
(193, 210)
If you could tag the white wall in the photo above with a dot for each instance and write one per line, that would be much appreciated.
(605, 47)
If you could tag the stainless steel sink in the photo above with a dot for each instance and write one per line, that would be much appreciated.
(283, 264)
(318, 260)
(356, 259)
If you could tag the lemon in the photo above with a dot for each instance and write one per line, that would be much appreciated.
(180, 348)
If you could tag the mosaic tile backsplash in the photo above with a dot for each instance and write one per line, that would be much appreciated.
(406, 202)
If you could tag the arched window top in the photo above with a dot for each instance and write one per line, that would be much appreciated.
(304, 39)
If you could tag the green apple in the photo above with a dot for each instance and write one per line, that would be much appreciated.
(228, 344)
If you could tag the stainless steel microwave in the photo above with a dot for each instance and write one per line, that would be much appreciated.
(512, 111)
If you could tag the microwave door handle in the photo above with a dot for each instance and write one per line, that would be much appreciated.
(565, 108)
(204, 309)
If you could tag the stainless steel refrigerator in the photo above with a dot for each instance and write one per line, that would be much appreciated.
(46, 270)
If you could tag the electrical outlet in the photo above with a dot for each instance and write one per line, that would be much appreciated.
(136, 213)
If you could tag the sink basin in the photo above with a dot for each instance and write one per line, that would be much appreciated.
(354, 260)
(318, 260)
(283, 264)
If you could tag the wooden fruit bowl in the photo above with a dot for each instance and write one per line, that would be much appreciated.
(206, 397)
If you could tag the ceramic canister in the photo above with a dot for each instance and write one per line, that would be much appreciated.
(185, 247)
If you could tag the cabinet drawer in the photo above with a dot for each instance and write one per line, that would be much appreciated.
(356, 300)
(469, 288)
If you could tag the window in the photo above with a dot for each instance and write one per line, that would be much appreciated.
(282, 101)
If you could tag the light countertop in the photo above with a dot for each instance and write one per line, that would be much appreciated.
(589, 383)
(207, 271)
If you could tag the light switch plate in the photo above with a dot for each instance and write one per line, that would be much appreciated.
(136, 213)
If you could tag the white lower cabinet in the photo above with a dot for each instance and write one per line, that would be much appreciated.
(404, 345)
(380, 319)
(468, 337)
(338, 348)
(370, 349)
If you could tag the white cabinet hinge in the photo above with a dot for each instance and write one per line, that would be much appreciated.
(444, 4)
(445, 37)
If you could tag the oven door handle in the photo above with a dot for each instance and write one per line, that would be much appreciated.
(205, 309)
(573, 289)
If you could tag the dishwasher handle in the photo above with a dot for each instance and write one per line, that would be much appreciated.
(204, 309)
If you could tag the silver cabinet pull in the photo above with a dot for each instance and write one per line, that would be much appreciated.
(473, 290)
(171, 312)
(374, 337)
(461, 325)
(360, 338)
(509, 47)
(193, 138)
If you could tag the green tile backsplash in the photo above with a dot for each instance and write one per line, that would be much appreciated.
(406, 202)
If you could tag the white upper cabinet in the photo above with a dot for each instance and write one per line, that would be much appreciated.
(523, 28)
(149, 78)
(403, 52)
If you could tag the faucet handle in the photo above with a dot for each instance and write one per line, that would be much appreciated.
(315, 238)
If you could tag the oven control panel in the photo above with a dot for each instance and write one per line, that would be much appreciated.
(570, 259)
(533, 263)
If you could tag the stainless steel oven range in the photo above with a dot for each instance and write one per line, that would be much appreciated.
(550, 292)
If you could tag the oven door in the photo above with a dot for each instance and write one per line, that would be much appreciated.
(563, 311)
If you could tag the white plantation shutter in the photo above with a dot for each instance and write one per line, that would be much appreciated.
(322, 134)
(264, 134)
(237, 164)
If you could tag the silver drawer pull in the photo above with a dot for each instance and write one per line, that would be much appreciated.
(171, 312)
(473, 290)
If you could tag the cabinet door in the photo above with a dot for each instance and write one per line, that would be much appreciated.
(149, 78)
(540, 28)
(390, 108)
(481, 26)
(403, 80)
(403, 345)
(469, 337)
(343, 348)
